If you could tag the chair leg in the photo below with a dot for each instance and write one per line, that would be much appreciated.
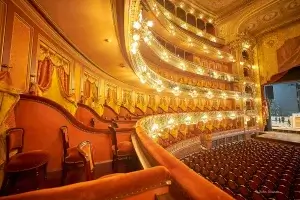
(115, 164)
(5, 185)
(8, 184)
(63, 175)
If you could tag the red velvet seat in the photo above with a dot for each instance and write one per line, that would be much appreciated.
(18, 162)
(27, 161)
(232, 185)
(228, 191)
(257, 196)
(71, 156)
(122, 151)
(239, 197)
(244, 191)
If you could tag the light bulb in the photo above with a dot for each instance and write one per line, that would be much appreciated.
(136, 25)
(136, 37)
(149, 23)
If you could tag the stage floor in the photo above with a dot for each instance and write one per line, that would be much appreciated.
(285, 137)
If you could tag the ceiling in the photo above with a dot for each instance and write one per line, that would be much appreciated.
(220, 7)
(87, 24)
(253, 16)
(276, 14)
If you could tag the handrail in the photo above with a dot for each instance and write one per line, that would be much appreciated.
(92, 111)
(192, 185)
(63, 111)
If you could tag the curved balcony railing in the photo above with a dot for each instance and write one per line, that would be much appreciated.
(189, 79)
(187, 183)
(185, 25)
(157, 81)
(154, 124)
(185, 65)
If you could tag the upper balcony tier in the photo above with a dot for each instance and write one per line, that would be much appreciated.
(190, 42)
(186, 61)
(188, 21)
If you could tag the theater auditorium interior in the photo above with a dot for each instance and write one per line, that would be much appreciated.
(149, 99)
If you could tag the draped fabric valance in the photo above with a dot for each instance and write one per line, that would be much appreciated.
(288, 55)
(289, 75)
(44, 76)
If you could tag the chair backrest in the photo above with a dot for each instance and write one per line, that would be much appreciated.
(114, 124)
(114, 140)
(85, 150)
(14, 141)
(65, 139)
(93, 122)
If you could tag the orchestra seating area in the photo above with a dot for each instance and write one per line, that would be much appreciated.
(251, 169)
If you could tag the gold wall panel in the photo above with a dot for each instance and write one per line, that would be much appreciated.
(20, 54)
(2, 25)
(77, 81)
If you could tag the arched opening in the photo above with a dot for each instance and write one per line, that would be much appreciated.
(170, 6)
(200, 24)
(249, 104)
(210, 29)
(245, 55)
(181, 14)
(248, 90)
(246, 72)
(191, 19)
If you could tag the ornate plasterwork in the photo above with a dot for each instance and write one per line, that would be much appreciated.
(268, 46)
(279, 13)
(258, 18)
(222, 7)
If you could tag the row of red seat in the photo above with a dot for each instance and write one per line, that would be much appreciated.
(251, 169)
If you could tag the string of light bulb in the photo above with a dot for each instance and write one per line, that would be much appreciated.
(156, 81)
(146, 74)
(153, 124)
(170, 16)
(185, 65)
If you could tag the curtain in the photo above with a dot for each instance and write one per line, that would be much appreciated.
(63, 78)
(94, 90)
(87, 89)
(44, 74)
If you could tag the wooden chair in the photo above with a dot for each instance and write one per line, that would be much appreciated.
(122, 151)
(18, 163)
(72, 159)
(85, 150)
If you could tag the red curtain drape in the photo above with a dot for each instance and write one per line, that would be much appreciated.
(44, 74)
(63, 78)
(87, 89)
(94, 90)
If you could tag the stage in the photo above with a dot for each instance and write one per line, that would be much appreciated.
(282, 137)
(285, 129)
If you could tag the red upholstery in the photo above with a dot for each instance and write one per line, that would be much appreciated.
(15, 139)
(140, 185)
(124, 148)
(73, 156)
(27, 161)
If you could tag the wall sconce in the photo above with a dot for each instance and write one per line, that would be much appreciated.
(32, 78)
(72, 91)
(5, 68)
